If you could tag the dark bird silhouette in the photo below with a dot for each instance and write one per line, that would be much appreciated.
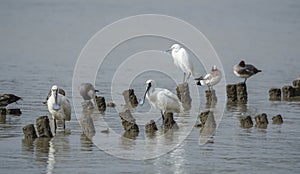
(6, 99)
(245, 71)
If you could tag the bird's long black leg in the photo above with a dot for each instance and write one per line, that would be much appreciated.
(162, 115)
(245, 80)
(55, 126)
(64, 124)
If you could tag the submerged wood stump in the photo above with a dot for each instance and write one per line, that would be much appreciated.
(274, 94)
(296, 83)
(203, 117)
(246, 122)
(151, 127)
(2, 111)
(241, 92)
(16, 112)
(288, 92)
(43, 127)
(130, 135)
(101, 103)
(231, 93)
(183, 94)
(277, 119)
(2, 118)
(297, 91)
(237, 93)
(111, 104)
(169, 122)
(211, 98)
(128, 122)
(130, 98)
(261, 121)
(29, 132)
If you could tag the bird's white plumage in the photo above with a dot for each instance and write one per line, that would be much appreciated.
(162, 99)
(182, 60)
(212, 78)
(63, 112)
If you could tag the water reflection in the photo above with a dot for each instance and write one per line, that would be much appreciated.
(237, 108)
(2, 118)
(45, 149)
(86, 143)
(178, 161)
(86, 121)
(87, 126)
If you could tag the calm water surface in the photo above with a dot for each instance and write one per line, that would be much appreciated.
(40, 43)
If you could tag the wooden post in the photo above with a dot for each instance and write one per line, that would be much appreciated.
(246, 122)
(43, 127)
(101, 103)
(261, 121)
(183, 94)
(29, 132)
(130, 98)
(275, 94)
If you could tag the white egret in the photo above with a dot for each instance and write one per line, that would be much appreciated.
(210, 79)
(243, 70)
(161, 99)
(59, 107)
(181, 60)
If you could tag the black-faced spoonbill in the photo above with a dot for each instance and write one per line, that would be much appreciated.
(59, 107)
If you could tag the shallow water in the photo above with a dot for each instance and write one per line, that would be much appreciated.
(41, 41)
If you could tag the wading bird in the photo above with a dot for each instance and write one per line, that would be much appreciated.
(243, 70)
(181, 60)
(161, 99)
(87, 92)
(210, 79)
(59, 107)
(6, 99)
(60, 91)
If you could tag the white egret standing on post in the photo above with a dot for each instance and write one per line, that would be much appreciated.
(182, 60)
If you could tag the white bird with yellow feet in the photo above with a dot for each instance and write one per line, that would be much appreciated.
(59, 107)
(161, 99)
(182, 60)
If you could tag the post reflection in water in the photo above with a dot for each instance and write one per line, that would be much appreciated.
(209, 118)
(46, 149)
(86, 121)
(87, 126)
